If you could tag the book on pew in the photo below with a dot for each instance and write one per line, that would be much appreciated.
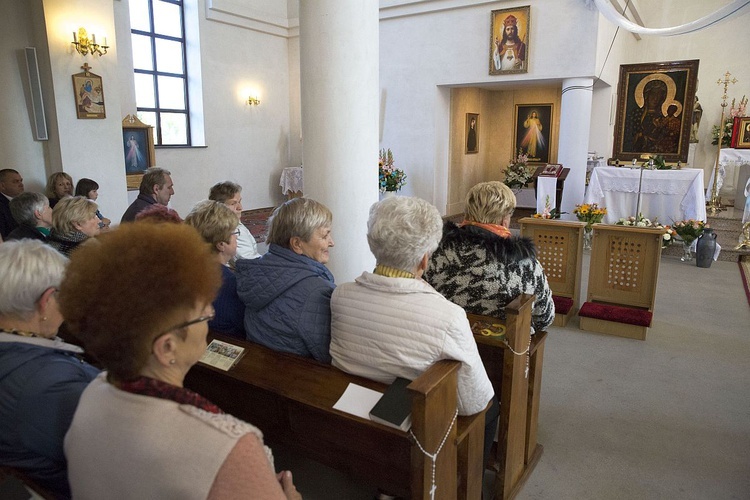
(394, 408)
(222, 355)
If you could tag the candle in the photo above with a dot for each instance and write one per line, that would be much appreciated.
(93, 38)
(105, 41)
(75, 40)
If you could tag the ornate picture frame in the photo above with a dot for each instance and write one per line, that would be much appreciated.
(532, 132)
(743, 134)
(509, 51)
(472, 133)
(89, 95)
(654, 110)
(138, 149)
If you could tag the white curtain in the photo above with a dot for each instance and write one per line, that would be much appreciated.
(735, 8)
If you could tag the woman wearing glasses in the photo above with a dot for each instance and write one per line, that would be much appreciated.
(217, 224)
(140, 301)
(41, 377)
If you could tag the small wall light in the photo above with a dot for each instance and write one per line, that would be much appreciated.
(84, 44)
(253, 101)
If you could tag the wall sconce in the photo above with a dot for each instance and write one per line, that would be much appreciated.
(253, 101)
(84, 44)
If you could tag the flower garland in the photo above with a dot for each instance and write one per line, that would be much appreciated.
(390, 178)
(641, 221)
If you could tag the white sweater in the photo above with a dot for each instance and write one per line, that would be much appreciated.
(383, 328)
(128, 446)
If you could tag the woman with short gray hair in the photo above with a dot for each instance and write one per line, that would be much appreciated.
(287, 291)
(33, 214)
(391, 323)
(41, 377)
(74, 220)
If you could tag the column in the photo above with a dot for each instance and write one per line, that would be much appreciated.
(575, 123)
(339, 71)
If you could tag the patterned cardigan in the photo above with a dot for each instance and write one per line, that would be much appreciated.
(483, 272)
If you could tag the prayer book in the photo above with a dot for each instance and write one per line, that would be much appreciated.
(222, 355)
(551, 170)
(394, 408)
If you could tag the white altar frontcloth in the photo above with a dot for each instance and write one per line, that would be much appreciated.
(667, 195)
(292, 180)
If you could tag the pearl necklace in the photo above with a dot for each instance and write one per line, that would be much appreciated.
(21, 333)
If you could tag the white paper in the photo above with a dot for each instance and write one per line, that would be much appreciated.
(358, 400)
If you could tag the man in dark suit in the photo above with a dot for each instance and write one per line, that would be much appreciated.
(11, 185)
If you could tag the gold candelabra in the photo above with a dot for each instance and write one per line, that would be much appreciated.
(714, 206)
(84, 45)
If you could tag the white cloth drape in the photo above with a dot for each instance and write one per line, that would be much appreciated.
(735, 8)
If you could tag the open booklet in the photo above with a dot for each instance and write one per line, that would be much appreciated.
(222, 355)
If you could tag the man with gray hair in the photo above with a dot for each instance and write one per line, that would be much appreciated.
(11, 185)
(391, 323)
(34, 216)
(156, 188)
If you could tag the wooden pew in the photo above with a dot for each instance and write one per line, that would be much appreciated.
(517, 451)
(290, 399)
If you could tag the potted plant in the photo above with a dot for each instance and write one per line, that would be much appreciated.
(391, 179)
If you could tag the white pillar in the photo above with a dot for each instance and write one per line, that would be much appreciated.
(339, 99)
(575, 122)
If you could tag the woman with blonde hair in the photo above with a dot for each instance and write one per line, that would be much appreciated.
(41, 377)
(74, 220)
(217, 225)
(287, 291)
(481, 267)
(138, 432)
(59, 186)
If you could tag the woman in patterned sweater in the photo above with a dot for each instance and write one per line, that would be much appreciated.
(480, 266)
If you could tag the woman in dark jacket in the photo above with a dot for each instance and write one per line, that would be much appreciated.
(34, 216)
(481, 267)
(74, 220)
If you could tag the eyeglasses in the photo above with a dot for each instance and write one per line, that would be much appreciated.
(201, 319)
(236, 233)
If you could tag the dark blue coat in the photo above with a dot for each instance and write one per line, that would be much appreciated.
(287, 302)
(230, 311)
(39, 391)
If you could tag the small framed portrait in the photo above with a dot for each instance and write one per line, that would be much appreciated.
(743, 135)
(89, 95)
(509, 40)
(532, 132)
(138, 149)
(655, 110)
(472, 133)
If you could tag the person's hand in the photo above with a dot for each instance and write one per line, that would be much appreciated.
(290, 491)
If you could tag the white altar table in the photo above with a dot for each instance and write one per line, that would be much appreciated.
(667, 195)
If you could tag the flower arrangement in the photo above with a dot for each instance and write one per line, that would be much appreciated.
(548, 212)
(590, 213)
(518, 174)
(390, 177)
(689, 230)
(735, 111)
(641, 221)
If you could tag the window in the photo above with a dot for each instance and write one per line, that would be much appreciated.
(157, 30)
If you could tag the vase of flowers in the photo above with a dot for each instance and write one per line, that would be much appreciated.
(391, 179)
(518, 174)
(688, 231)
(640, 221)
(591, 214)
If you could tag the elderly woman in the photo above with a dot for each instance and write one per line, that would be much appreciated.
(59, 186)
(89, 188)
(287, 292)
(34, 216)
(41, 377)
(217, 224)
(137, 432)
(390, 323)
(481, 267)
(74, 220)
(230, 194)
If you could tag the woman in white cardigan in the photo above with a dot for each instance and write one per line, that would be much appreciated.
(391, 323)
(140, 300)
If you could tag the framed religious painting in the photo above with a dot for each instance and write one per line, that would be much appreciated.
(509, 40)
(532, 132)
(655, 110)
(743, 134)
(138, 149)
(472, 133)
(89, 94)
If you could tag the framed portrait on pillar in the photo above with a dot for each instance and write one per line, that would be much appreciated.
(138, 149)
(509, 40)
(532, 132)
(655, 110)
(472, 133)
(89, 94)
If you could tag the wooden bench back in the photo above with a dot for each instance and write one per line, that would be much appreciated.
(291, 400)
(559, 246)
(624, 265)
